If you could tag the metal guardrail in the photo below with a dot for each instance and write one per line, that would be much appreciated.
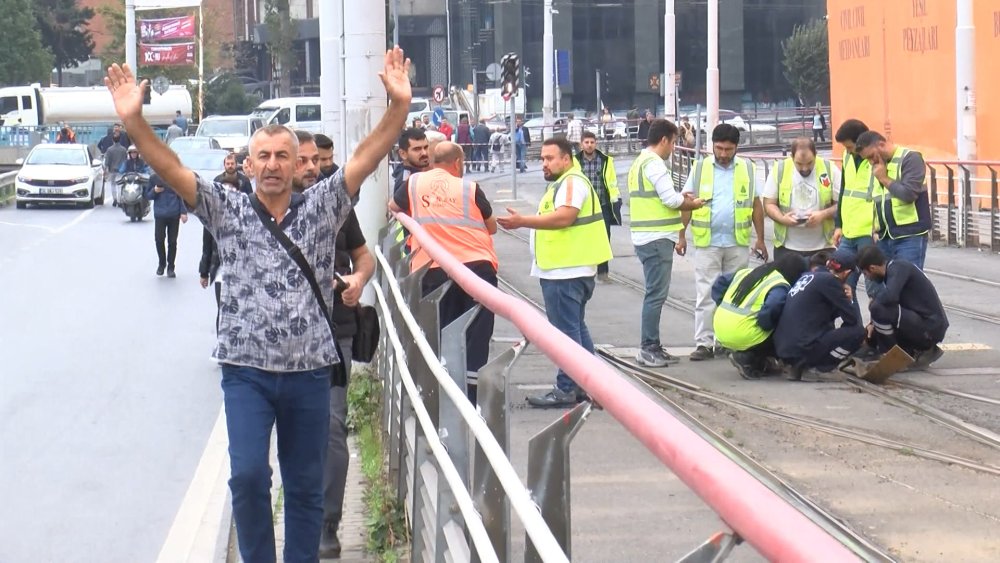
(965, 207)
(753, 512)
(7, 193)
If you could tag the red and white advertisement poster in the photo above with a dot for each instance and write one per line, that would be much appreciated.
(181, 27)
(172, 54)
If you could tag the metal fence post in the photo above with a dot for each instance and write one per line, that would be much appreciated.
(487, 491)
(549, 476)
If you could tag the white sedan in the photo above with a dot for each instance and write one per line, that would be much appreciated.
(60, 174)
(734, 119)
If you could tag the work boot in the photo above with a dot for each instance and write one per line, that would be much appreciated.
(171, 273)
(159, 270)
(702, 353)
(555, 398)
(796, 371)
(603, 277)
(925, 358)
(329, 544)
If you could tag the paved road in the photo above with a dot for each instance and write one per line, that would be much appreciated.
(107, 394)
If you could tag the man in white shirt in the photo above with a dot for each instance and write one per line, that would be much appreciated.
(656, 229)
(800, 196)
(568, 241)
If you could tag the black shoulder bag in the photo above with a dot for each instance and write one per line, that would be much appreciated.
(338, 374)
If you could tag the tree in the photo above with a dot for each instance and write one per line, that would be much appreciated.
(64, 30)
(281, 35)
(226, 96)
(23, 59)
(807, 61)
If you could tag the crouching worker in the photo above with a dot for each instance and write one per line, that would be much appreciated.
(806, 336)
(908, 312)
(749, 306)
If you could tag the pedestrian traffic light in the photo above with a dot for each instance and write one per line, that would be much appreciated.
(510, 73)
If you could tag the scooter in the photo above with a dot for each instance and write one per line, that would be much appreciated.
(130, 198)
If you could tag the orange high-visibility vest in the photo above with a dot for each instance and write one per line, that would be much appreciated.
(445, 206)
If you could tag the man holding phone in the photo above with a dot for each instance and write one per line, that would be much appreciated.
(800, 196)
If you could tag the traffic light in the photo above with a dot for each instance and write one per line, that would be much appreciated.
(510, 73)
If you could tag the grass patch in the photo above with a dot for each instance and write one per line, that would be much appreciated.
(386, 523)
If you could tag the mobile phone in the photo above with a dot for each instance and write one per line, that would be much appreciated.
(801, 220)
(341, 282)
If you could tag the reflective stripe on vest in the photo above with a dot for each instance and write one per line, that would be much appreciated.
(648, 212)
(735, 324)
(784, 179)
(856, 209)
(459, 228)
(585, 242)
(895, 217)
(743, 185)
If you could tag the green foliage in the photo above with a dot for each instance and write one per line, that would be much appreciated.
(385, 516)
(281, 35)
(23, 59)
(226, 96)
(807, 61)
(63, 26)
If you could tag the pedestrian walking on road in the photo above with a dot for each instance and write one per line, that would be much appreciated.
(181, 121)
(232, 177)
(574, 132)
(800, 196)
(600, 170)
(819, 126)
(459, 216)
(902, 207)
(644, 128)
(481, 143)
(657, 228)
(521, 140)
(115, 137)
(169, 212)
(568, 241)
(464, 138)
(721, 229)
(499, 144)
(276, 342)
(114, 157)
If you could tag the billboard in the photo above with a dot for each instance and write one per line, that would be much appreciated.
(166, 55)
(181, 27)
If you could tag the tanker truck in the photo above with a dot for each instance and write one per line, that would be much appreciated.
(34, 106)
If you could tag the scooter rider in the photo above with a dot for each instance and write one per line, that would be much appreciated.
(134, 163)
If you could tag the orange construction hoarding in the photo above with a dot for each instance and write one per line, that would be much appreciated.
(892, 65)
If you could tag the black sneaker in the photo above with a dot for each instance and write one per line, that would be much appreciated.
(925, 358)
(171, 274)
(743, 366)
(653, 357)
(702, 353)
(720, 350)
(555, 398)
(159, 271)
(329, 543)
(795, 372)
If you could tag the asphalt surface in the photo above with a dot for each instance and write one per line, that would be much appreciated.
(107, 393)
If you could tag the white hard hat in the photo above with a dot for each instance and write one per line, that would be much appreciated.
(133, 148)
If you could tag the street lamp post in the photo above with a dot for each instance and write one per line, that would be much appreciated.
(130, 35)
(447, 26)
(712, 72)
(547, 70)
(669, 61)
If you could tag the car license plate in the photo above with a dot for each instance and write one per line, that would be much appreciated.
(51, 190)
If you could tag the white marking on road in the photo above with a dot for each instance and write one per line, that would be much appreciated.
(42, 227)
(74, 222)
(964, 347)
(196, 527)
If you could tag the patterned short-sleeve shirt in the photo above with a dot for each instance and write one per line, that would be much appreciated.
(270, 318)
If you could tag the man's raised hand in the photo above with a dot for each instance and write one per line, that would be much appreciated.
(396, 76)
(127, 95)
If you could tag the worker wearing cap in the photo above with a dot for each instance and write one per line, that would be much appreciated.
(806, 336)
(908, 312)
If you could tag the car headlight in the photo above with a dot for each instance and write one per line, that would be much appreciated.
(23, 179)
(81, 180)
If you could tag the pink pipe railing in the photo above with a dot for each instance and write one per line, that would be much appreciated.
(775, 529)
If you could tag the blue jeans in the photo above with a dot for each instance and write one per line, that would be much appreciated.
(657, 260)
(566, 306)
(522, 150)
(854, 245)
(299, 403)
(911, 249)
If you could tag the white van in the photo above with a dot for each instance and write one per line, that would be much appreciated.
(305, 113)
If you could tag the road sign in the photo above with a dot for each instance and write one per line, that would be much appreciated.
(437, 116)
(493, 72)
(438, 93)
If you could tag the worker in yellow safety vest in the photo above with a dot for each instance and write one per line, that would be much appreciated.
(855, 211)
(568, 241)
(721, 229)
(902, 208)
(599, 168)
(749, 307)
(656, 226)
(800, 196)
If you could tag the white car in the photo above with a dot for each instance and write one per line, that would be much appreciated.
(60, 174)
(231, 131)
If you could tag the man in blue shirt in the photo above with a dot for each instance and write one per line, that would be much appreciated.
(181, 122)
